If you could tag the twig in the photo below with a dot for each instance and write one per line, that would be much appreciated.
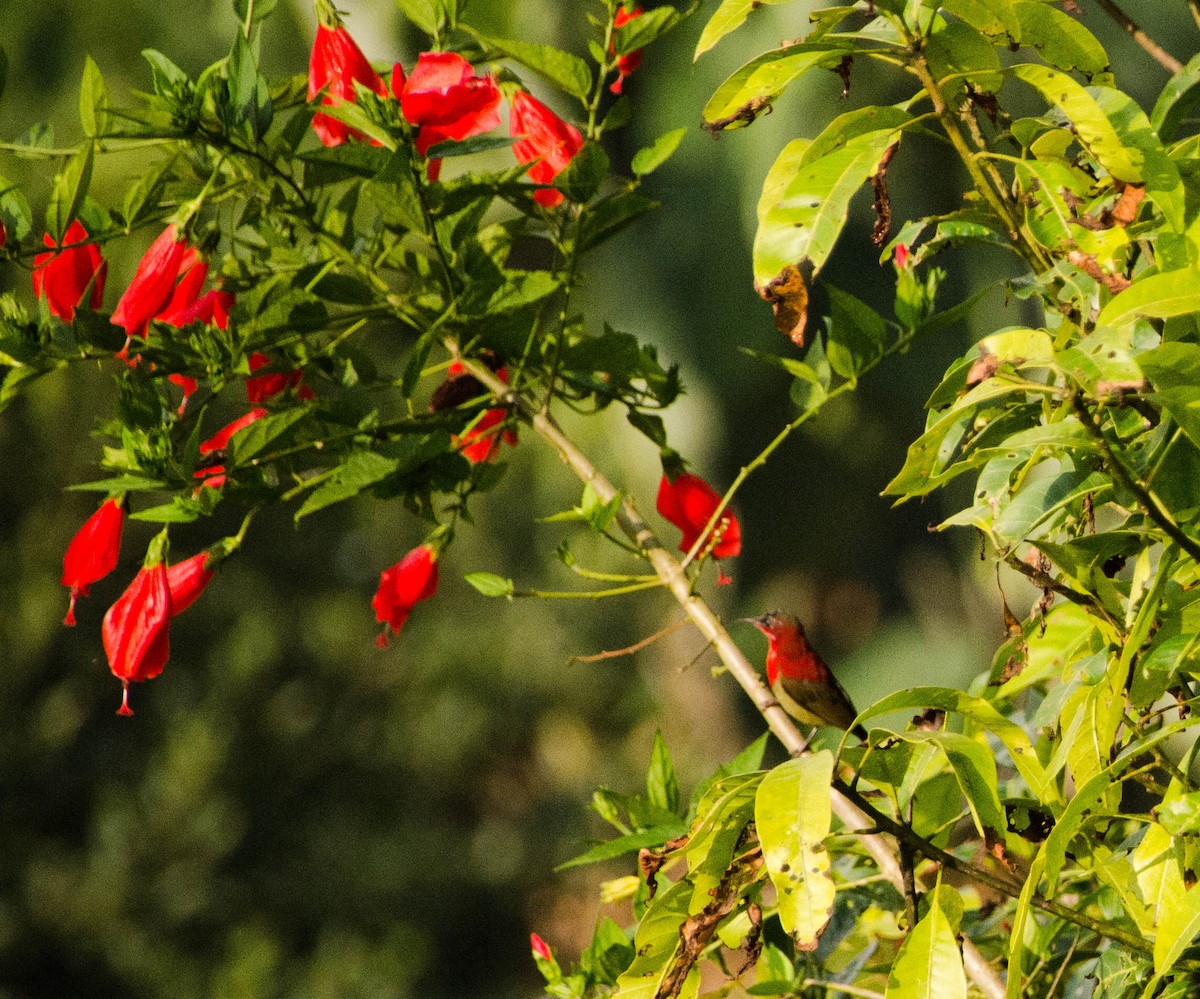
(673, 575)
(631, 649)
(1156, 51)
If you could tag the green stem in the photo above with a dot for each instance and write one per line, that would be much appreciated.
(1149, 502)
(614, 591)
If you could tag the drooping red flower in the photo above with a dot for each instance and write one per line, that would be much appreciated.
(902, 254)
(136, 631)
(153, 283)
(187, 579)
(542, 136)
(335, 65)
(446, 99)
(93, 552)
(627, 63)
(63, 275)
(220, 440)
(689, 502)
(213, 476)
(402, 586)
(260, 388)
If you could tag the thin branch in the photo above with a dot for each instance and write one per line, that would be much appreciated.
(1156, 51)
(631, 649)
(673, 575)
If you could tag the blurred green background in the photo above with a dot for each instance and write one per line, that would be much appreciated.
(293, 812)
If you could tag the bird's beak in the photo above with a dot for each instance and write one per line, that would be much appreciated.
(758, 622)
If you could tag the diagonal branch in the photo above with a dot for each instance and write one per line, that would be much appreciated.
(1156, 51)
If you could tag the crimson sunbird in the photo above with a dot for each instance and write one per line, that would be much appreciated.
(800, 679)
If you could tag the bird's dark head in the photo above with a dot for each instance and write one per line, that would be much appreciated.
(775, 622)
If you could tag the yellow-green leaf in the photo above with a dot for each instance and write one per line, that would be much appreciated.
(792, 814)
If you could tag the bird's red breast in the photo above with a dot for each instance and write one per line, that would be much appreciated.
(789, 655)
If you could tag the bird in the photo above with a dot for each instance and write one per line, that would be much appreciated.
(801, 680)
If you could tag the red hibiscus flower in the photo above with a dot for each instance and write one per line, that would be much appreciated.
(337, 63)
(63, 276)
(93, 552)
(402, 586)
(627, 63)
(446, 99)
(482, 441)
(153, 283)
(136, 628)
(689, 502)
(544, 139)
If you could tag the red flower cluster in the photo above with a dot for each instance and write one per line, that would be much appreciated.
(336, 64)
(402, 586)
(446, 100)
(136, 629)
(166, 286)
(93, 552)
(544, 140)
(62, 276)
(627, 63)
(688, 502)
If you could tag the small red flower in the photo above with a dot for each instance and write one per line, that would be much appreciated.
(541, 950)
(689, 502)
(220, 440)
(261, 388)
(402, 586)
(902, 254)
(335, 65)
(136, 632)
(189, 386)
(63, 275)
(542, 136)
(445, 98)
(187, 579)
(3, 235)
(627, 63)
(93, 552)
(213, 476)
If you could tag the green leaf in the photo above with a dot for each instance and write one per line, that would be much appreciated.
(728, 17)
(584, 174)
(662, 786)
(597, 512)
(1092, 126)
(974, 769)
(806, 197)
(641, 31)
(929, 965)
(792, 814)
(360, 470)
(992, 17)
(1031, 510)
(751, 89)
(248, 94)
(657, 936)
(979, 711)
(1178, 924)
(489, 584)
(631, 843)
(428, 15)
(653, 156)
(1177, 100)
(609, 216)
(960, 56)
(251, 439)
(1060, 38)
(70, 188)
(169, 79)
(1155, 296)
(564, 70)
(93, 100)
(857, 334)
